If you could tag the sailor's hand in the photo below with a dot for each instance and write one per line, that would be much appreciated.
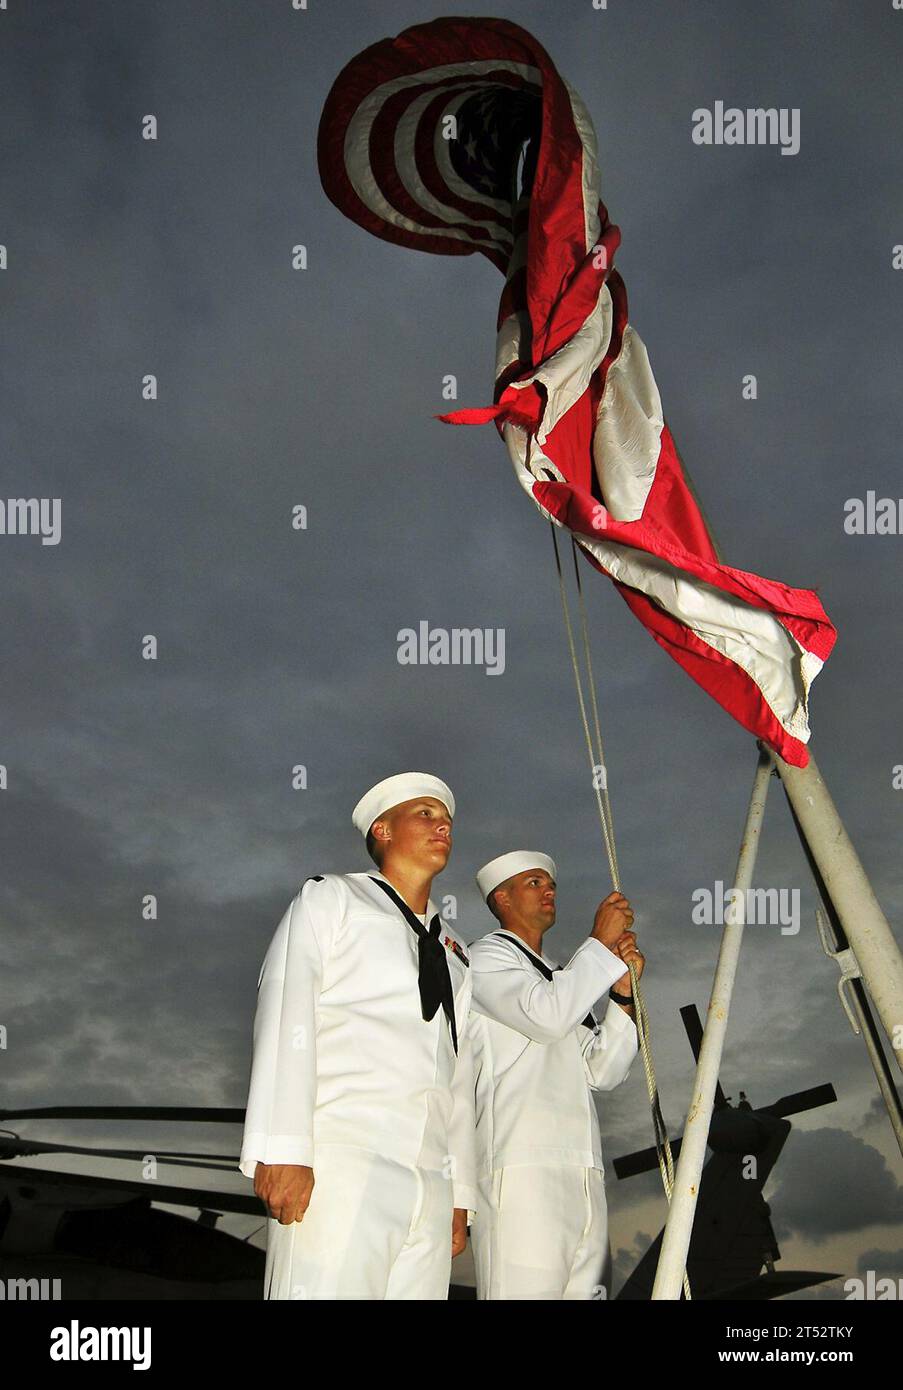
(613, 916)
(630, 953)
(285, 1190)
(459, 1230)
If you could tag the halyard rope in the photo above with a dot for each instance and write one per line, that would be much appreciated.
(599, 776)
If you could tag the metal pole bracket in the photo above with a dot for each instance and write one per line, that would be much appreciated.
(846, 963)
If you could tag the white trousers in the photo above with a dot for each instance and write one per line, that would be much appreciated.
(374, 1229)
(542, 1232)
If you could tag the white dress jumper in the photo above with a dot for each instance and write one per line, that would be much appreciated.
(540, 1229)
(348, 1079)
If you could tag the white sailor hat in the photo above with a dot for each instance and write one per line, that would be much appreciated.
(391, 791)
(507, 865)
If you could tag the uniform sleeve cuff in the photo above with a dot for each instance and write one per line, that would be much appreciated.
(465, 1198)
(615, 969)
(276, 1148)
(617, 1019)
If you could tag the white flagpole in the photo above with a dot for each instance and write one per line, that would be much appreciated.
(866, 926)
(679, 1225)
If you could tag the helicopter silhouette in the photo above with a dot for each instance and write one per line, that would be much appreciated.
(733, 1249)
(103, 1238)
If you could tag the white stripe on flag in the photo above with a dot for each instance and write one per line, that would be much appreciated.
(627, 439)
(566, 374)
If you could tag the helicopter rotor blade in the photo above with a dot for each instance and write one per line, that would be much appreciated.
(20, 1148)
(802, 1100)
(205, 1114)
(693, 1025)
(642, 1161)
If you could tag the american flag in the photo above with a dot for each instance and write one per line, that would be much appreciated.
(459, 136)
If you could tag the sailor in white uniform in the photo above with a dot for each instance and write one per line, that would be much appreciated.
(359, 1131)
(541, 1225)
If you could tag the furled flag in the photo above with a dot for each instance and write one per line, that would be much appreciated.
(460, 136)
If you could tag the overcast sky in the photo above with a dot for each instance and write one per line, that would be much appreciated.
(277, 647)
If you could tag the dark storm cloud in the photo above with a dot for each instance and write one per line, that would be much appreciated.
(278, 647)
(872, 1196)
(884, 1262)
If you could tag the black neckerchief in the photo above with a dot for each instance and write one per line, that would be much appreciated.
(432, 975)
(547, 970)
